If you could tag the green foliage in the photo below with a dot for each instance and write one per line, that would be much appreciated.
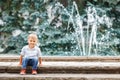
(33, 16)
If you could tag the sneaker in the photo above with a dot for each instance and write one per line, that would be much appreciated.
(34, 72)
(23, 71)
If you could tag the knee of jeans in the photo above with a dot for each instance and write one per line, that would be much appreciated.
(35, 59)
(25, 58)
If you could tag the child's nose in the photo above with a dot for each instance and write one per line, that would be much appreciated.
(32, 42)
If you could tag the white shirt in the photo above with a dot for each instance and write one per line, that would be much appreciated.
(31, 53)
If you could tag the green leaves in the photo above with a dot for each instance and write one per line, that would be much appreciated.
(50, 19)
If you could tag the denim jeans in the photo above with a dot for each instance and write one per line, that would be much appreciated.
(30, 62)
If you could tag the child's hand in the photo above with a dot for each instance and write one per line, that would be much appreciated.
(19, 64)
(40, 65)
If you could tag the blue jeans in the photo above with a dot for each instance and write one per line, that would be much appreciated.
(30, 62)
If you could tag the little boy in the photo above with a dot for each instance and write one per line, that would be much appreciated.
(30, 55)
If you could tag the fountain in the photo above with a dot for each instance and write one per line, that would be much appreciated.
(87, 30)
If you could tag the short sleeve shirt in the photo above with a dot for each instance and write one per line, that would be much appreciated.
(31, 53)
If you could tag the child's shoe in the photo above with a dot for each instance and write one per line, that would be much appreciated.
(34, 72)
(23, 72)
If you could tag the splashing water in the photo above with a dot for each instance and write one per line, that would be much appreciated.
(87, 35)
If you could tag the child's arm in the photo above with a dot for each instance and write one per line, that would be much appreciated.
(20, 62)
(40, 61)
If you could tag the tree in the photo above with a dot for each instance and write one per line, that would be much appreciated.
(50, 19)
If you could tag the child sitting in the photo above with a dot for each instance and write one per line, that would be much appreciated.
(30, 55)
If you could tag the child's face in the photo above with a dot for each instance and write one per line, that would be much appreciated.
(32, 42)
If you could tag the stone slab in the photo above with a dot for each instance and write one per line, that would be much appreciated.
(7, 76)
(65, 67)
(12, 58)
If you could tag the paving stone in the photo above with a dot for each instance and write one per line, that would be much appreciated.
(7, 76)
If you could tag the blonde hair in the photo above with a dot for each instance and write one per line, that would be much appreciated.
(32, 35)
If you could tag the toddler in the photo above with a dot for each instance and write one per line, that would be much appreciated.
(30, 55)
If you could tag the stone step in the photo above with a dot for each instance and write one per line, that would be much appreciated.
(8, 76)
(65, 64)
(66, 67)
(4, 58)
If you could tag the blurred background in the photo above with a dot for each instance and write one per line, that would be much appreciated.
(64, 27)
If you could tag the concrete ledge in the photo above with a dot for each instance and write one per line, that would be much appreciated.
(6, 76)
(66, 64)
(67, 58)
(63, 68)
(66, 67)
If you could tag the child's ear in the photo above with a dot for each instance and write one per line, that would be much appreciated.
(36, 40)
(28, 41)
